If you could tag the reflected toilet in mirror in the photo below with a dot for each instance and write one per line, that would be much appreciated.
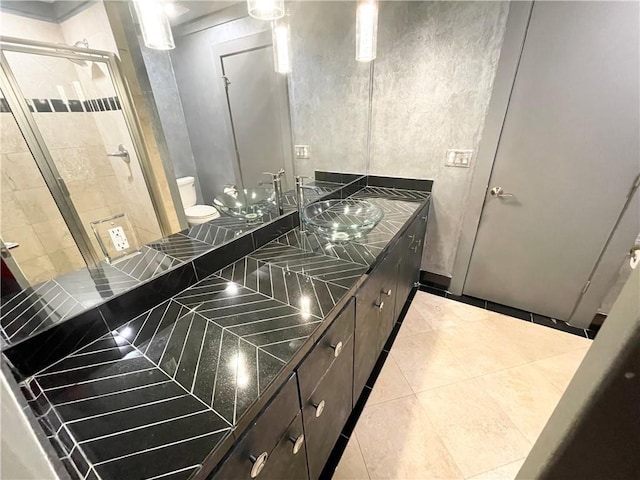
(196, 214)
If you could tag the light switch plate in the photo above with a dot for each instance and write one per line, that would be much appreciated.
(302, 152)
(458, 158)
(118, 238)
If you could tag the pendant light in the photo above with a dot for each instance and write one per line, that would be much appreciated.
(154, 25)
(281, 36)
(366, 30)
(266, 9)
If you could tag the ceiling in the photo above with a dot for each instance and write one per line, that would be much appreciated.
(56, 11)
(196, 9)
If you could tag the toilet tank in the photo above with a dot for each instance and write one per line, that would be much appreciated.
(187, 188)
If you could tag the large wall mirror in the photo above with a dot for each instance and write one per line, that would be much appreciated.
(236, 103)
(247, 106)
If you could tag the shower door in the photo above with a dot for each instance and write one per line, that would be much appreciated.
(69, 108)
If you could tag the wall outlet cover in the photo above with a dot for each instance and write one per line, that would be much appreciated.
(458, 158)
(118, 238)
(302, 152)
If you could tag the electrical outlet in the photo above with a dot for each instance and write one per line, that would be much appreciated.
(302, 152)
(458, 158)
(118, 238)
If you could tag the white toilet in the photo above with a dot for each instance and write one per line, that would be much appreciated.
(196, 214)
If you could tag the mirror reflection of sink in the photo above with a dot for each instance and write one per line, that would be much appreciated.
(248, 203)
(341, 220)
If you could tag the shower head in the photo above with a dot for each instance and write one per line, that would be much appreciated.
(84, 44)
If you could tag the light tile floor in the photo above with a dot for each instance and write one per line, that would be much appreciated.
(464, 394)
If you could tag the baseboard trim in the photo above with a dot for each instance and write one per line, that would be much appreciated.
(512, 312)
(435, 280)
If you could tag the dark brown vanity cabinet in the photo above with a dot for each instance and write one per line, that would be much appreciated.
(295, 435)
(375, 317)
(328, 350)
(326, 379)
(274, 446)
(411, 245)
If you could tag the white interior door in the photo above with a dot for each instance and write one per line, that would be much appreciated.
(568, 154)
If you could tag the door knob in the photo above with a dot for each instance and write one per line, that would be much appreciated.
(380, 306)
(497, 192)
(297, 443)
(258, 463)
(387, 292)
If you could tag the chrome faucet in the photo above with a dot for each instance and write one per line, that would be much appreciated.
(300, 188)
(276, 179)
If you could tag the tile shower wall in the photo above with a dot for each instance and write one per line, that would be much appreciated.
(93, 24)
(29, 216)
(433, 77)
(79, 142)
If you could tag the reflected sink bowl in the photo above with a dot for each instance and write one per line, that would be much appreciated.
(341, 220)
(248, 203)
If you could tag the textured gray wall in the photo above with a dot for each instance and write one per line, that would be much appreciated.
(174, 126)
(433, 77)
(204, 103)
(328, 89)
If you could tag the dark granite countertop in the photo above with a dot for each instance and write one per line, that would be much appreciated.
(161, 392)
(41, 306)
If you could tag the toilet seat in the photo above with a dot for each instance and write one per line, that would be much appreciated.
(198, 214)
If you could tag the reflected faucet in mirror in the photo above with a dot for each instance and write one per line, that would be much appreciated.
(276, 179)
(300, 188)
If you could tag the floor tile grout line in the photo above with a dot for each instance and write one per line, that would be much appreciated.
(494, 468)
(364, 460)
(448, 450)
(475, 377)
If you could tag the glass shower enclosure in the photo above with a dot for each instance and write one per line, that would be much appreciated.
(71, 154)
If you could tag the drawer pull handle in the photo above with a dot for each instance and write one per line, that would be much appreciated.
(337, 349)
(387, 292)
(380, 306)
(297, 443)
(319, 408)
(258, 463)
(424, 218)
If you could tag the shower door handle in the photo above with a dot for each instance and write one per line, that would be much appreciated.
(5, 247)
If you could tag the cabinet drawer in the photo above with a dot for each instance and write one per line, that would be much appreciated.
(327, 411)
(288, 460)
(327, 351)
(380, 285)
(263, 436)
